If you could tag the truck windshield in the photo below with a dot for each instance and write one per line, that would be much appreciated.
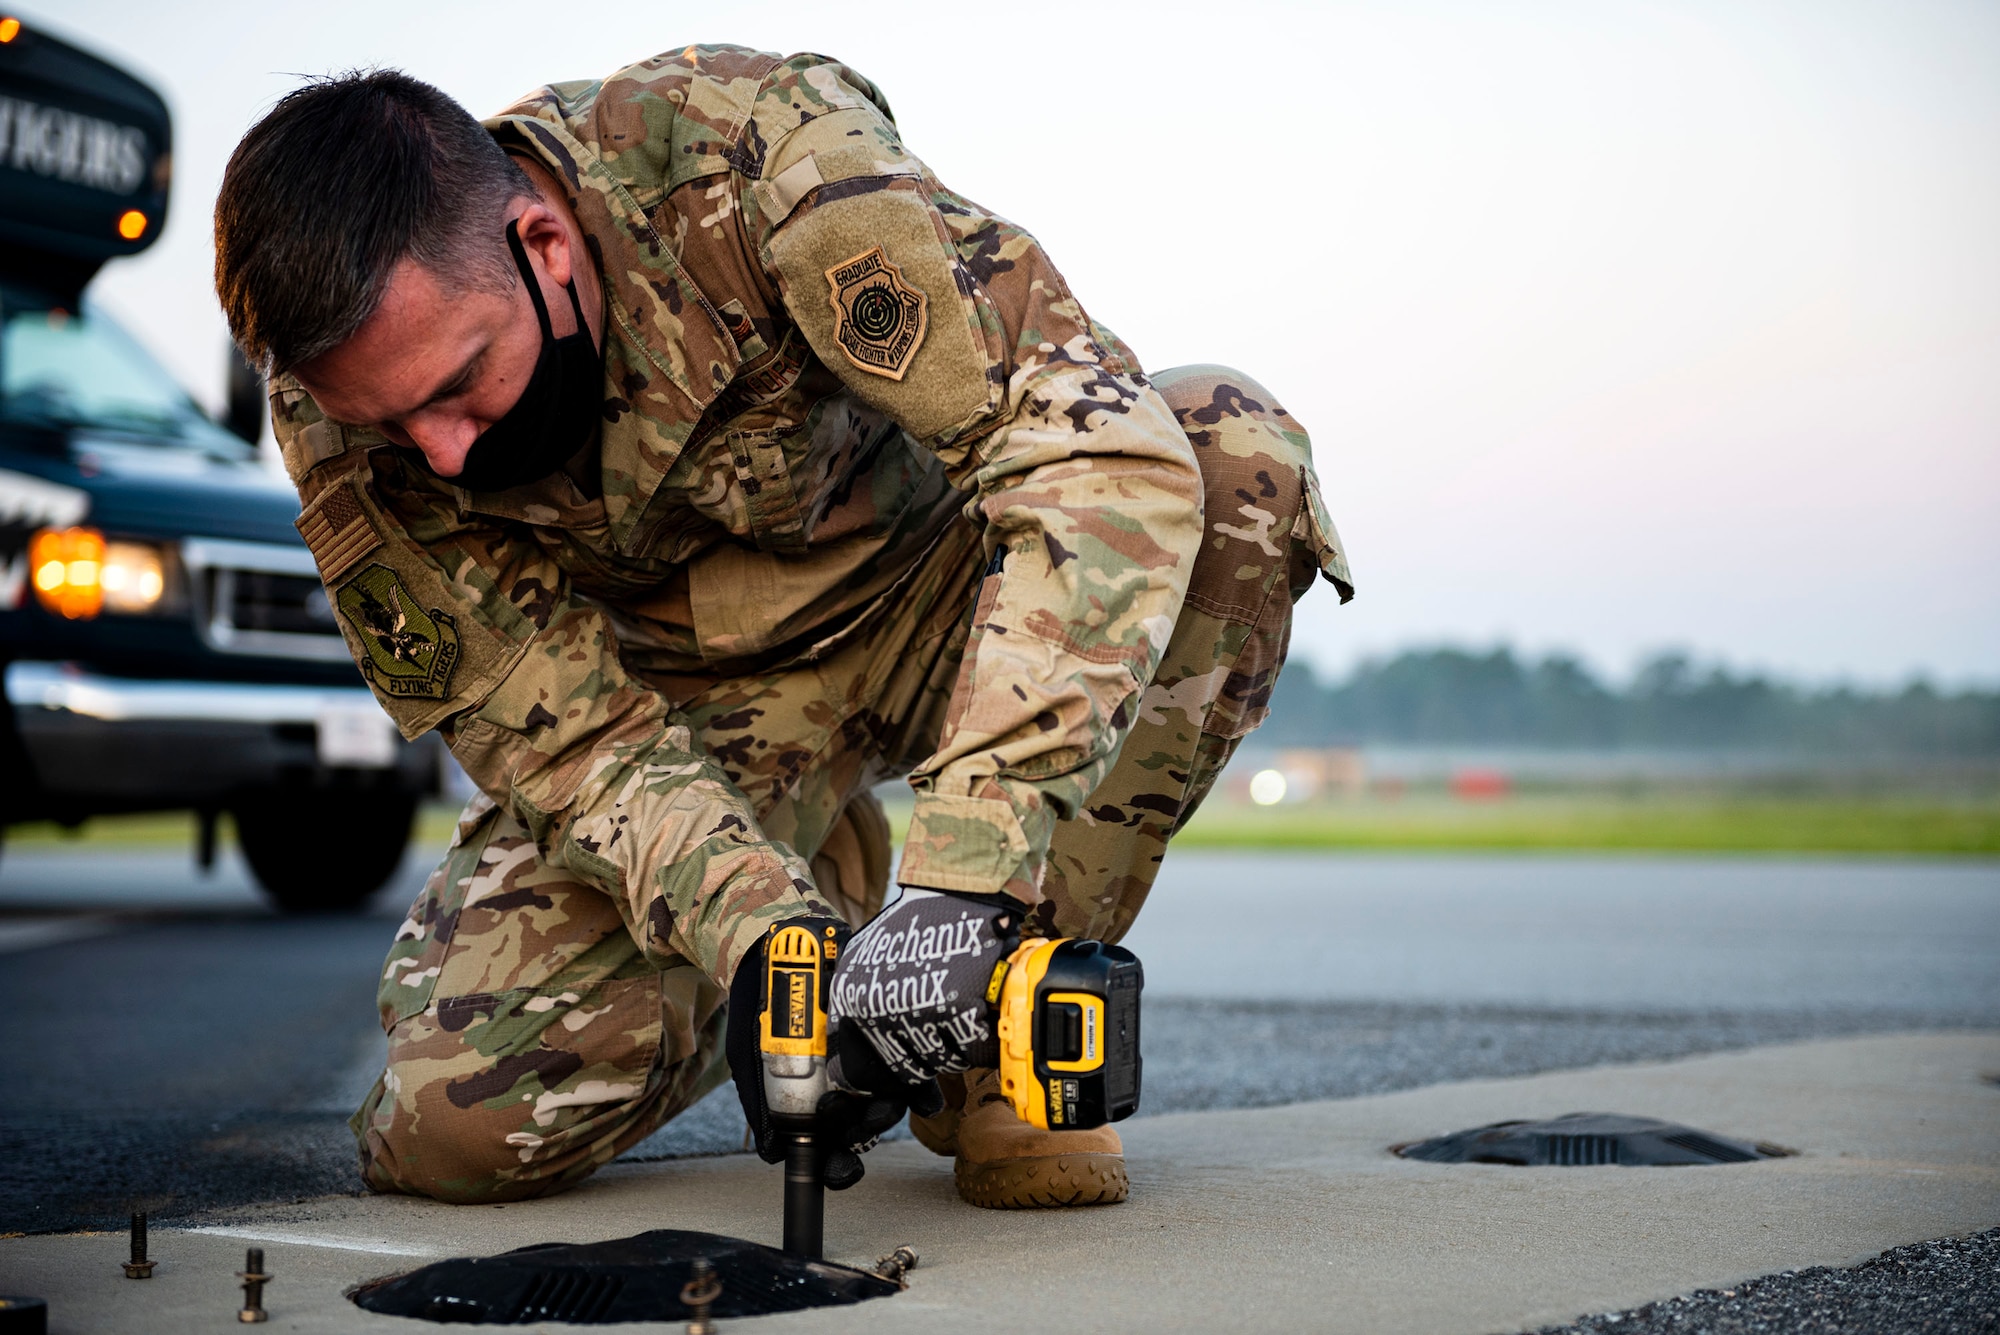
(67, 369)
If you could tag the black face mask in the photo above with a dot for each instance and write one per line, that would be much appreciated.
(558, 412)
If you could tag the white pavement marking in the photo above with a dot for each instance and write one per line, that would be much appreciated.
(33, 933)
(306, 1237)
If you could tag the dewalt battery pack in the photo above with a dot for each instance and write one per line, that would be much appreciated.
(1069, 1032)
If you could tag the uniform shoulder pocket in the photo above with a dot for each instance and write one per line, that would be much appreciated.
(429, 646)
(873, 281)
(843, 218)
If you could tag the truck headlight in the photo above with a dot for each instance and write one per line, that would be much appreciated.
(78, 574)
(135, 577)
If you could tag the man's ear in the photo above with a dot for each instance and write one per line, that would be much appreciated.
(545, 237)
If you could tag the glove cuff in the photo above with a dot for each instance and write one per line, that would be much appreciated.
(999, 901)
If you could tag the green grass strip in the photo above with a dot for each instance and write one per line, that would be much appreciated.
(1754, 825)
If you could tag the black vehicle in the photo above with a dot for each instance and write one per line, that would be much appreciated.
(164, 637)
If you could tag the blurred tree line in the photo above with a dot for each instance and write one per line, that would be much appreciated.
(1454, 696)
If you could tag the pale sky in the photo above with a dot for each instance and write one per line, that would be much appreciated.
(1616, 325)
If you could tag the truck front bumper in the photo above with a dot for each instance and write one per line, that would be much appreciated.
(99, 743)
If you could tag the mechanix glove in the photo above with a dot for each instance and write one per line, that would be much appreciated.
(909, 996)
(848, 1123)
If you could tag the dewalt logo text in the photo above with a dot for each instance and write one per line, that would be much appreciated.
(801, 1003)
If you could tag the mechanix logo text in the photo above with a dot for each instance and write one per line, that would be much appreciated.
(937, 943)
(922, 980)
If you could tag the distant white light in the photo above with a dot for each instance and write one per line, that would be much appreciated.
(1267, 787)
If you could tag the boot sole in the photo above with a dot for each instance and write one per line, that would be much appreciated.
(1046, 1183)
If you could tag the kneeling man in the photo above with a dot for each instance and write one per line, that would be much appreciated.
(688, 455)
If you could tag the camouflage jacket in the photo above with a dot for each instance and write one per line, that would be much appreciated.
(816, 356)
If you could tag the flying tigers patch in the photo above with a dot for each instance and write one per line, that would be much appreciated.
(410, 653)
(878, 319)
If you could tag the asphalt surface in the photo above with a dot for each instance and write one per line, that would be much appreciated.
(1947, 1287)
(1578, 931)
(178, 1064)
(185, 1049)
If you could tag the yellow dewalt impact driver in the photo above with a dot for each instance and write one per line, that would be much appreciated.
(1067, 1039)
(792, 1034)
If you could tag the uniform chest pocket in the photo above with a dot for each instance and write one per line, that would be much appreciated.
(777, 524)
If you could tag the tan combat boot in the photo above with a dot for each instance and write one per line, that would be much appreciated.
(939, 1133)
(1005, 1164)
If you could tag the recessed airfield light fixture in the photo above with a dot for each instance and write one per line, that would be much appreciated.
(641, 1278)
(1577, 1140)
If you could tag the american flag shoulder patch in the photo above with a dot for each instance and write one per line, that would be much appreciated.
(336, 528)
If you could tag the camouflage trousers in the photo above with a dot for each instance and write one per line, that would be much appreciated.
(530, 1041)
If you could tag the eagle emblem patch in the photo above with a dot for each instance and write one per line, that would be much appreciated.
(410, 653)
(878, 319)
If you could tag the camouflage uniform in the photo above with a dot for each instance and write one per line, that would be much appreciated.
(874, 496)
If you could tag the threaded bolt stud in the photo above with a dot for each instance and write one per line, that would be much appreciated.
(254, 1279)
(139, 1267)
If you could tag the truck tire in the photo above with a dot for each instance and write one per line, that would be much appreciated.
(324, 851)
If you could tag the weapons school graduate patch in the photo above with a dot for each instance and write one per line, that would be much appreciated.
(878, 319)
(410, 652)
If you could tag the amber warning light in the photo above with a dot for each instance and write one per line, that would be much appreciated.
(69, 570)
(10, 28)
(131, 224)
(77, 574)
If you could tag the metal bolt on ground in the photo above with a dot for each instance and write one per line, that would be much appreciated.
(698, 1294)
(139, 1267)
(897, 1265)
(254, 1279)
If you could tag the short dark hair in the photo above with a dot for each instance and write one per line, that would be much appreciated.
(344, 179)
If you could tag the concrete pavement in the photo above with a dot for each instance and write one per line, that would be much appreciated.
(1279, 1218)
